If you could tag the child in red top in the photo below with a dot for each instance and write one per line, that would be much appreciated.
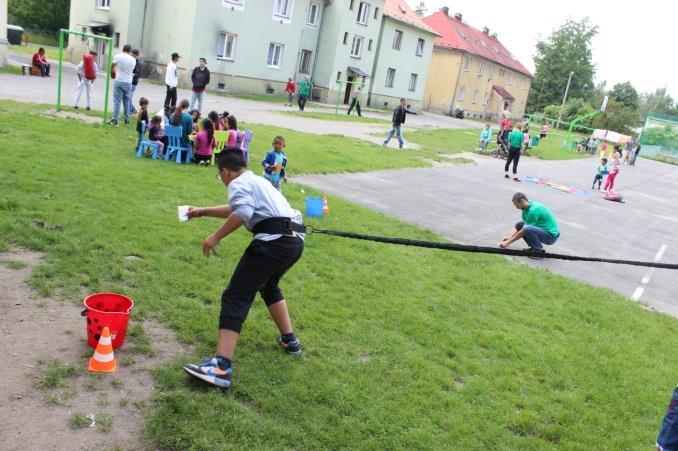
(289, 89)
(204, 142)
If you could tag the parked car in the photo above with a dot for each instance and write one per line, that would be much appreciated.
(459, 113)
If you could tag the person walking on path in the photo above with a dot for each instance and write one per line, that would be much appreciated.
(290, 88)
(122, 70)
(355, 103)
(277, 244)
(515, 139)
(171, 81)
(87, 72)
(635, 155)
(200, 78)
(40, 61)
(537, 228)
(136, 73)
(398, 120)
(304, 92)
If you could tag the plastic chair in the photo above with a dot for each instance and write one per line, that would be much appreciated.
(220, 137)
(174, 135)
(147, 144)
(245, 145)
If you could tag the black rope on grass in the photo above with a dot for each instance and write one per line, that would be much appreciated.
(487, 250)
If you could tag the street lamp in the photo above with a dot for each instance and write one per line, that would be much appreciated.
(567, 88)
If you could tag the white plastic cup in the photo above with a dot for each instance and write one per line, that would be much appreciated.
(182, 211)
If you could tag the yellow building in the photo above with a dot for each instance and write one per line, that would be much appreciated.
(472, 70)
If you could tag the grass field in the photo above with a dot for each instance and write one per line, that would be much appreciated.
(404, 348)
(51, 53)
(341, 117)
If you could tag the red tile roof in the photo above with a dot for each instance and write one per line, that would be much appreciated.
(399, 10)
(459, 35)
(503, 92)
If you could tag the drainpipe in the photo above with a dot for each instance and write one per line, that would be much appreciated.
(143, 25)
(301, 41)
(376, 60)
(317, 44)
(456, 86)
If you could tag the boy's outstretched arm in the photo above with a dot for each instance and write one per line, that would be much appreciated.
(232, 223)
(220, 211)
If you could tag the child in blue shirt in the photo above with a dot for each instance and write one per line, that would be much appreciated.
(485, 137)
(601, 170)
(274, 163)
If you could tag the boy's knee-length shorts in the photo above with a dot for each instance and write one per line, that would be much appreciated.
(259, 270)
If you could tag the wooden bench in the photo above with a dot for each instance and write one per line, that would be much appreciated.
(32, 70)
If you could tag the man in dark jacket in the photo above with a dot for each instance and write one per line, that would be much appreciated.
(398, 119)
(136, 73)
(200, 78)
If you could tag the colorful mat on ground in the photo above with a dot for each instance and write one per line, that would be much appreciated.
(555, 185)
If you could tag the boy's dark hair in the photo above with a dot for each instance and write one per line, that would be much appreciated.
(280, 138)
(143, 100)
(518, 197)
(604, 160)
(126, 48)
(41, 50)
(156, 119)
(231, 158)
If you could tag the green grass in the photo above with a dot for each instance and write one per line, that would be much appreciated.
(56, 375)
(341, 117)
(13, 264)
(403, 347)
(257, 97)
(79, 420)
(662, 158)
(37, 38)
(10, 69)
(104, 422)
(51, 53)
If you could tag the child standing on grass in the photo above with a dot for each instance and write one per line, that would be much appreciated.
(204, 143)
(290, 88)
(277, 245)
(601, 170)
(156, 135)
(274, 163)
(142, 116)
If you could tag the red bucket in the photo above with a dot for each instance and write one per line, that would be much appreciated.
(107, 309)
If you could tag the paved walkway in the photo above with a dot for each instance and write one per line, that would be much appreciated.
(43, 90)
(472, 204)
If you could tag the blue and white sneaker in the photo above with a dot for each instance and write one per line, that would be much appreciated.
(292, 347)
(209, 371)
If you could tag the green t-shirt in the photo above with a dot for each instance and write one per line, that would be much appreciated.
(516, 138)
(538, 215)
(305, 88)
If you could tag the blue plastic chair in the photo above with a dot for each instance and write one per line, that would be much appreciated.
(245, 145)
(146, 144)
(174, 134)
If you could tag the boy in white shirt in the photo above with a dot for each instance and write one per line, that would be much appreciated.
(171, 81)
(85, 79)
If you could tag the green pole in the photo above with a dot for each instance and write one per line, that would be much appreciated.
(108, 76)
(573, 123)
(61, 58)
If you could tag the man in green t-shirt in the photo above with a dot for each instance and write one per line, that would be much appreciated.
(515, 139)
(537, 228)
(304, 92)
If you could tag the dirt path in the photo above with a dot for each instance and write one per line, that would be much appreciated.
(37, 404)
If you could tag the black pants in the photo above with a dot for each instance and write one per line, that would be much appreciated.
(354, 104)
(599, 179)
(513, 156)
(302, 101)
(171, 96)
(44, 69)
(259, 269)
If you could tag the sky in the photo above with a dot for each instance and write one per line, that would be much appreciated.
(635, 42)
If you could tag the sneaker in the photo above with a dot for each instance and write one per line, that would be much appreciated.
(292, 347)
(113, 122)
(87, 109)
(506, 176)
(209, 371)
(537, 253)
(75, 107)
(516, 179)
(202, 163)
(126, 121)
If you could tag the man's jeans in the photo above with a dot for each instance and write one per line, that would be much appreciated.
(302, 101)
(535, 236)
(121, 97)
(196, 97)
(396, 130)
(131, 98)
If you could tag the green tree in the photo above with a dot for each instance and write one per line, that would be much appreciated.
(658, 102)
(568, 49)
(625, 93)
(421, 9)
(617, 117)
(43, 15)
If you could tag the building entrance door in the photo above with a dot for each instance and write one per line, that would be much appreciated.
(349, 89)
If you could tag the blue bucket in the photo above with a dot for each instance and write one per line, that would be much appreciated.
(314, 207)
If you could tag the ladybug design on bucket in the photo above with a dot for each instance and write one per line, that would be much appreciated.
(107, 310)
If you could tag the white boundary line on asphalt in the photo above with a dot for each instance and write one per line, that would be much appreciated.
(640, 289)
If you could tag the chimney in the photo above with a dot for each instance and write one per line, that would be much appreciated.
(486, 30)
(457, 16)
(494, 36)
(446, 10)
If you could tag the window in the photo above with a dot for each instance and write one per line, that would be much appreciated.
(420, 47)
(274, 55)
(502, 72)
(234, 4)
(363, 12)
(390, 76)
(283, 8)
(475, 96)
(339, 76)
(467, 62)
(397, 39)
(351, 6)
(517, 82)
(481, 66)
(83, 38)
(305, 61)
(486, 97)
(103, 4)
(510, 79)
(491, 73)
(346, 38)
(116, 40)
(376, 13)
(413, 82)
(461, 93)
(357, 47)
(369, 45)
(313, 14)
(226, 46)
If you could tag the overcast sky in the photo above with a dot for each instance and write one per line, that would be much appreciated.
(636, 41)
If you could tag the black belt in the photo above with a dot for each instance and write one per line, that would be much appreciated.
(278, 226)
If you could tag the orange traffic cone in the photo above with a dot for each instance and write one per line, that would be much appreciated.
(103, 360)
(326, 208)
